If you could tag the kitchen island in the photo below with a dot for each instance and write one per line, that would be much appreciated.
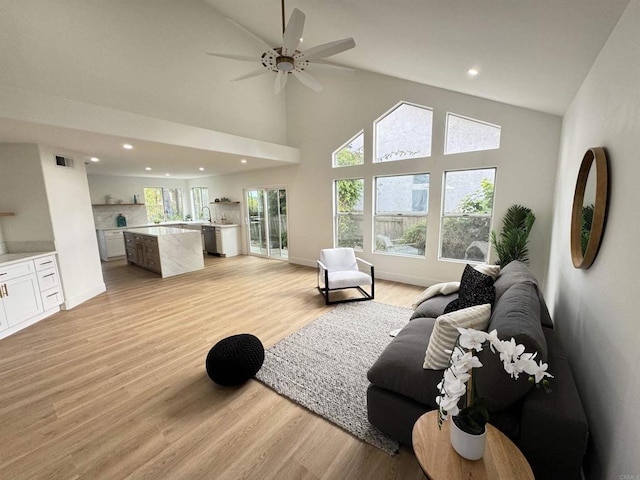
(167, 251)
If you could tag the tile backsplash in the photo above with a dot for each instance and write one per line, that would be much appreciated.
(105, 216)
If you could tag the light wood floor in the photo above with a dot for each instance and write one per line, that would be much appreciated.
(116, 388)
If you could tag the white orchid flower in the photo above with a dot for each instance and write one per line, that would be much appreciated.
(472, 339)
(492, 338)
(466, 361)
(538, 371)
(448, 407)
(509, 350)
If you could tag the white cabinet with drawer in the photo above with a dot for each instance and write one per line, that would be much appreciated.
(29, 291)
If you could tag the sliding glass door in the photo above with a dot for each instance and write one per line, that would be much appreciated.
(267, 218)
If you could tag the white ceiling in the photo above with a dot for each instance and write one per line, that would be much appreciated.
(530, 53)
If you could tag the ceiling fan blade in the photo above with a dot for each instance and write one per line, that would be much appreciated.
(243, 58)
(293, 33)
(320, 64)
(327, 49)
(253, 73)
(259, 41)
(281, 81)
(308, 81)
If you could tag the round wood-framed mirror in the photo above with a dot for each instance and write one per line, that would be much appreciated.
(589, 207)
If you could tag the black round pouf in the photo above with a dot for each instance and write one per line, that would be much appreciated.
(233, 360)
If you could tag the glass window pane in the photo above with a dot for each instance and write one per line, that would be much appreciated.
(469, 135)
(400, 223)
(200, 197)
(349, 218)
(404, 133)
(153, 204)
(352, 153)
(469, 191)
(173, 203)
(465, 238)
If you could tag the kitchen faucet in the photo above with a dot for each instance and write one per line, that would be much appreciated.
(208, 210)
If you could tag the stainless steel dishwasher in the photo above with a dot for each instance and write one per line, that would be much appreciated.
(209, 232)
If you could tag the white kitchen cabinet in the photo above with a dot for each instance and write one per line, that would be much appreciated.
(228, 240)
(29, 291)
(19, 292)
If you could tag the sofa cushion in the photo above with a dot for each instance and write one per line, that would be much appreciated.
(445, 333)
(517, 272)
(434, 307)
(476, 288)
(399, 367)
(516, 315)
(437, 289)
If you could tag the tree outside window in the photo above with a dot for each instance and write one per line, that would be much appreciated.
(349, 213)
(163, 204)
(467, 213)
(199, 200)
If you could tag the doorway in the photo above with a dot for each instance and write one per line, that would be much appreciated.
(267, 219)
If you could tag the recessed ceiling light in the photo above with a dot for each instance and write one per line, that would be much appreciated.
(127, 146)
(201, 169)
(147, 168)
(167, 174)
(472, 72)
(244, 160)
(95, 159)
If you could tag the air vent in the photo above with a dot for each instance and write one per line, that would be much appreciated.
(64, 161)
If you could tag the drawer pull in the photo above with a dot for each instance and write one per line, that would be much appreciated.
(5, 291)
(49, 275)
(3, 273)
(46, 263)
(52, 295)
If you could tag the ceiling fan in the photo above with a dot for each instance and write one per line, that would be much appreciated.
(287, 59)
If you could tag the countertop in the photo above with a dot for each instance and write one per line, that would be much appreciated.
(169, 224)
(157, 231)
(9, 258)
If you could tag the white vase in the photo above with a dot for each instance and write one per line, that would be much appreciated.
(468, 446)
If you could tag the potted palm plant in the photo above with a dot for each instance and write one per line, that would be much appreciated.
(513, 241)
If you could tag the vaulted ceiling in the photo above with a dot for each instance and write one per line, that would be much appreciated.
(144, 61)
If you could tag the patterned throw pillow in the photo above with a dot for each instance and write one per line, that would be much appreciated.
(476, 288)
(445, 333)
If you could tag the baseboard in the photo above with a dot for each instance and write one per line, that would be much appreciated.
(16, 328)
(84, 296)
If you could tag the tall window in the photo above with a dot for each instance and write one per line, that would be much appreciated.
(400, 221)
(349, 207)
(351, 153)
(469, 135)
(199, 200)
(404, 132)
(466, 214)
(163, 204)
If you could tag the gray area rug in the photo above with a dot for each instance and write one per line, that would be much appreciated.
(324, 365)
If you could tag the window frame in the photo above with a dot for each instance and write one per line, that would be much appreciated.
(344, 145)
(444, 216)
(337, 214)
(385, 115)
(446, 133)
(411, 214)
(180, 202)
(197, 213)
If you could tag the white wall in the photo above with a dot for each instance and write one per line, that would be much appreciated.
(320, 123)
(73, 228)
(596, 310)
(146, 57)
(22, 191)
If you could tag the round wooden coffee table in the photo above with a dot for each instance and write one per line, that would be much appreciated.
(439, 461)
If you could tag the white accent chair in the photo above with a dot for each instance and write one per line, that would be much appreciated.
(338, 270)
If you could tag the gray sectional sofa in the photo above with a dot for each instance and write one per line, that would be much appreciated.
(549, 428)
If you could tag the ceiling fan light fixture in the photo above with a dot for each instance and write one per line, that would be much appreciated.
(285, 64)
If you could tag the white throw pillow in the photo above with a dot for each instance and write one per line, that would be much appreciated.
(492, 270)
(437, 289)
(445, 333)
